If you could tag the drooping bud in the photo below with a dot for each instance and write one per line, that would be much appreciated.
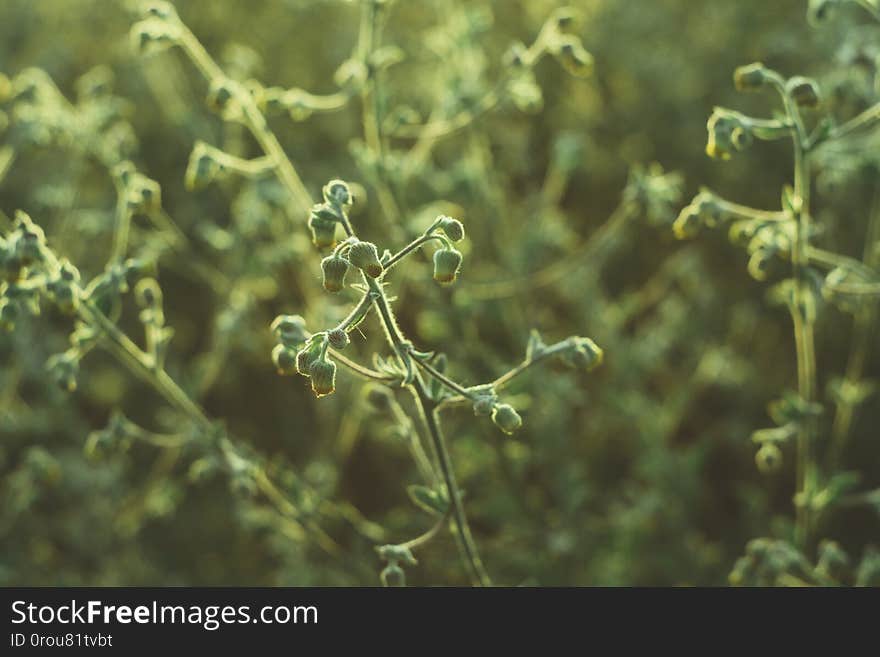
(804, 91)
(334, 269)
(323, 228)
(323, 375)
(768, 458)
(585, 355)
(453, 228)
(202, 169)
(750, 77)
(484, 405)
(447, 263)
(506, 418)
(337, 192)
(573, 56)
(64, 368)
(306, 356)
(290, 329)
(285, 360)
(728, 131)
(365, 257)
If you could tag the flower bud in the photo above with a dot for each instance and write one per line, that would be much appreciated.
(728, 131)
(337, 192)
(306, 356)
(64, 289)
(148, 293)
(759, 263)
(564, 19)
(484, 405)
(202, 168)
(351, 74)
(585, 355)
(323, 229)
(393, 576)
(447, 263)
(64, 367)
(221, 96)
(334, 269)
(364, 256)
(29, 243)
(338, 338)
(453, 228)
(750, 77)
(323, 375)
(573, 57)
(804, 91)
(768, 458)
(285, 360)
(506, 418)
(153, 35)
(290, 329)
(143, 195)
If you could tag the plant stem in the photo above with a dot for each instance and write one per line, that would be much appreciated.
(428, 409)
(803, 329)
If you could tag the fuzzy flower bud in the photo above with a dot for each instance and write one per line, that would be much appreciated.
(585, 355)
(323, 375)
(573, 56)
(334, 269)
(285, 360)
(750, 77)
(804, 91)
(64, 368)
(484, 405)
(506, 418)
(453, 228)
(728, 131)
(338, 338)
(202, 169)
(337, 192)
(290, 329)
(323, 229)
(306, 356)
(768, 458)
(447, 263)
(365, 257)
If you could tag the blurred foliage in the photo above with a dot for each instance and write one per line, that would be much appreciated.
(641, 473)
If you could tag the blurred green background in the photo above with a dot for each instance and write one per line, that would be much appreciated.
(641, 472)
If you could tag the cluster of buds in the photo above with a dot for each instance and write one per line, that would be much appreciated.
(704, 210)
(789, 413)
(142, 195)
(297, 352)
(324, 217)
(728, 131)
(159, 30)
(22, 253)
(504, 416)
(565, 45)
